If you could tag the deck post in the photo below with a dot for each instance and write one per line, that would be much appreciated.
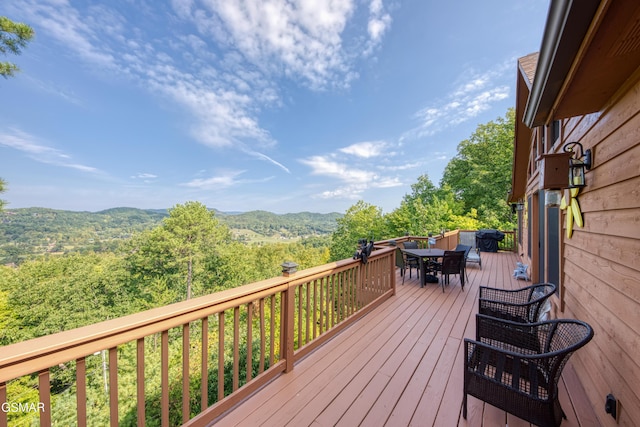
(287, 338)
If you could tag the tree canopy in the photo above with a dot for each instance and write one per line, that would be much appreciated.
(480, 175)
(361, 221)
(2, 190)
(14, 36)
(472, 195)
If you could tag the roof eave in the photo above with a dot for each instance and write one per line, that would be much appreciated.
(567, 23)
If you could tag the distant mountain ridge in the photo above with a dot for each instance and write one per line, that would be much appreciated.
(41, 230)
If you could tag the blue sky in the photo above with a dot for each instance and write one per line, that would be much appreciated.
(281, 105)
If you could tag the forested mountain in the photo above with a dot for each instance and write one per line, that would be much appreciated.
(291, 224)
(33, 231)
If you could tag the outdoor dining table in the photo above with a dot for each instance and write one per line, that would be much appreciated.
(423, 254)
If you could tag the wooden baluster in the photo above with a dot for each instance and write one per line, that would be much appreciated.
(3, 400)
(299, 322)
(236, 347)
(272, 330)
(204, 365)
(44, 389)
(322, 306)
(185, 373)
(113, 386)
(263, 336)
(220, 355)
(315, 308)
(140, 382)
(164, 374)
(308, 313)
(81, 392)
(249, 341)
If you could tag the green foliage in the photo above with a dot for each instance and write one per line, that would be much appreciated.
(472, 195)
(480, 175)
(361, 221)
(3, 185)
(287, 225)
(31, 232)
(57, 294)
(13, 37)
(177, 253)
(5, 309)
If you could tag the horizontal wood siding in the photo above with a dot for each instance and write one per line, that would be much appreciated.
(601, 277)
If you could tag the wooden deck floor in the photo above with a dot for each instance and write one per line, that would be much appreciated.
(401, 365)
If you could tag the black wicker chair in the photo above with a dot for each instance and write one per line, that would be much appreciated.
(516, 366)
(520, 305)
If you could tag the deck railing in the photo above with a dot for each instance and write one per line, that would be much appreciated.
(196, 359)
(192, 360)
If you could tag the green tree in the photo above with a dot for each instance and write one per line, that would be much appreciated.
(361, 221)
(423, 190)
(13, 37)
(179, 248)
(55, 294)
(2, 190)
(480, 174)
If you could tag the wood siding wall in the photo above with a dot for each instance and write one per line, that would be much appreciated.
(600, 263)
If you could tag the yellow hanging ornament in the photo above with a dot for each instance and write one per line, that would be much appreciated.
(574, 215)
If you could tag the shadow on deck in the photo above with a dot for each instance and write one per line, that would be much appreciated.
(400, 365)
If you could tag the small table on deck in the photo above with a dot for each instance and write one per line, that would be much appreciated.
(423, 254)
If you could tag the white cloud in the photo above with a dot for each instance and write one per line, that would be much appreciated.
(224, 179)
(295, 39)
(321, 165)
(224, 68)
(477, 93)
(366, 149)
(401, 167)
(36, 150)
(266, 158)
(353, 179)
(147, 178)
(347, 192)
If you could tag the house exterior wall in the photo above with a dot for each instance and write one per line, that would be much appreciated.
(599, 266)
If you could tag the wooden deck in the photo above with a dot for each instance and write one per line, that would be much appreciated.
(400, 365)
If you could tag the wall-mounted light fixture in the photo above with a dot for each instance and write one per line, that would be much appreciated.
(517, 207)
(554, 176)
(552, 198)
(579, 163)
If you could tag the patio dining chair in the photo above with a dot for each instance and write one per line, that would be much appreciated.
(411, 261)
(516, 367)
(452, 263)
(404, 264)
(466, 249)
(525, 305)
